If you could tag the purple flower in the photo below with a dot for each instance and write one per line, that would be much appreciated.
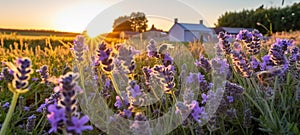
(244, 35)
(43, 71)
(6, 105)
(127, 113)
(230, 99)
(57, 115)
(277, 53)
(267, 63)
(224, 42)
(190, 78)
(167, 60)
(30, 123)
(220, 66)
(204, 98)
(240, 63)
(254, 63)
(26, 108)
(294, 57)
(22, 74)
(203, 63)
(79, 47)
(104, 57)
(254, 47)
(68, 92)
(152, 49)
(284, 43)
(118, 102)
(7, 74)
(78, 125)
(200, 77)
(35, 79)
(147, 74)
(197, 111)
(167, 76)
(41, 107)
(134, 89)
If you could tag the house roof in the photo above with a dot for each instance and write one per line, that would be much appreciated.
(193, 27)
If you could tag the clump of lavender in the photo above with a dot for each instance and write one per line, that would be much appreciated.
(64, 114)
(79, 47)
(203, 63)
(254, 47)
(105, 57)
(43, 71)
(241, 64)
(224, 42)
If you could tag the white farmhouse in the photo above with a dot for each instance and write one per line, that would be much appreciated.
(186, 32)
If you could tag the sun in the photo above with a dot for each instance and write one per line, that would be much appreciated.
(76, 17)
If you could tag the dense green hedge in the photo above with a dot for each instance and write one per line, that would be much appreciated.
(281, 19)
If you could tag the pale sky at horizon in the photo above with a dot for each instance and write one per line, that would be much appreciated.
(76, 15)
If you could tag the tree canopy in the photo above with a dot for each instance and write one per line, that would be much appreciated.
(137, 22)
(273, 19)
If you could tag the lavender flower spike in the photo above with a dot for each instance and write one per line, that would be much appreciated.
(22, 72)
(79, 47)
(104, 57)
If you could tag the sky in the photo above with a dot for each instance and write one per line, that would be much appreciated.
(97, 16)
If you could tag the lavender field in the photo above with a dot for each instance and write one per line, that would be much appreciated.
(250, 85)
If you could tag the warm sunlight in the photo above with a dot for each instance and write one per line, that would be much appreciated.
(72, 19)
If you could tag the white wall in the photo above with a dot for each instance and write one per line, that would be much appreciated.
(176, 33)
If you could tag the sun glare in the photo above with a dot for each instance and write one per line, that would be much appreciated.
(77, 17)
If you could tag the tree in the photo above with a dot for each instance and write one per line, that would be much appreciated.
(138, 21)
(122, 23)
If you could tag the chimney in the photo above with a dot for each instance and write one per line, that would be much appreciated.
(201, 21)
(176, 20)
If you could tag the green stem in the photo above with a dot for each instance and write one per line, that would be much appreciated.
(115, 85)
(9, 114)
